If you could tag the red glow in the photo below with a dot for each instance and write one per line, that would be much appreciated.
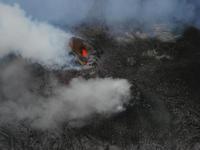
(84, 52)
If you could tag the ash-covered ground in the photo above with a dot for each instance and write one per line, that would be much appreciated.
(164, 109)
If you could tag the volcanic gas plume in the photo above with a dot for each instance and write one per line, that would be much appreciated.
(175, 13)
(22, 97)
(35, 41)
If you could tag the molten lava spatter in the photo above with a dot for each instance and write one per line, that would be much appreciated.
(84, 52)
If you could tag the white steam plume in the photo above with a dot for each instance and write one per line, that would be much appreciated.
(147, 12)
(36, 41)
(21, 98)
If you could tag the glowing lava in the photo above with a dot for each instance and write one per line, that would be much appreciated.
(84, 52)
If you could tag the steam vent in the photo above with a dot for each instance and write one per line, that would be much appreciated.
(100, 75)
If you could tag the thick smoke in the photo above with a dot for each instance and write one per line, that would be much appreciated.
(146, 12)
(36, 41)
(39, 100)
(152, 11)
(23, 97)
(59, 11)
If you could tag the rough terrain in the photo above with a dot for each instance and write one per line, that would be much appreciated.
(164, 112)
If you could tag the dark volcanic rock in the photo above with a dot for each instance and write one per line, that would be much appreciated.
(164, 111)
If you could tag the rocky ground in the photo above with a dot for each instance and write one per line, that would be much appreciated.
(164, 111)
